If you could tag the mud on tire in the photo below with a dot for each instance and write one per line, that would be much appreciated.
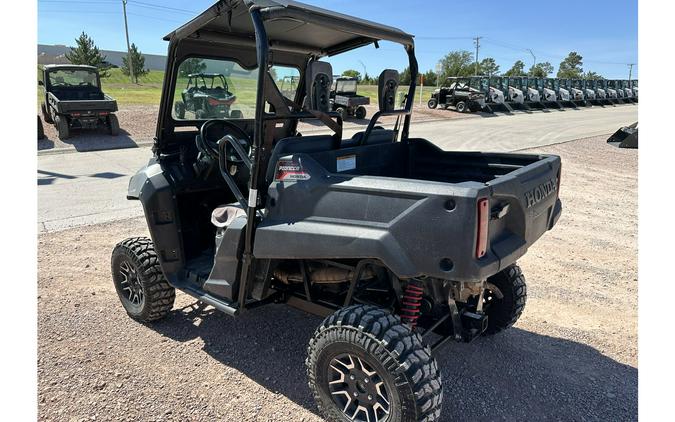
(139, 281)
(504, 312)
(405, 367)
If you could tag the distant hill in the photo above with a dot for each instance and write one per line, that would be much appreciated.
(55, 54)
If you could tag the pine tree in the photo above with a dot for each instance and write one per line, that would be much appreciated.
(137, 61)
(87, 53)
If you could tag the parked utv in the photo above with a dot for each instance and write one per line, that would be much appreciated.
(457, 92)
(400, 245)
(345, 100)
(562, 94)
(73, 99)
(207, 95)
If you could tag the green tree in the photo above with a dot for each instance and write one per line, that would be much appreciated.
(87, 53)
(571, 67)
(193, 65)
(592, 75)
(540, 70)
(404, 77)
(430, 78)
(518, 69)
(351, 73)
(488, 66)
(136, 61)
(457, 63)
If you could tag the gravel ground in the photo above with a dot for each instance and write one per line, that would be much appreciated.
(572, 356)
(139, 122)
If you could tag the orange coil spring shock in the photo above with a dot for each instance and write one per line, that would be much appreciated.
(411, 303)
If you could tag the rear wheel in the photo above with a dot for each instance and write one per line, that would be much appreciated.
(113, 125)
(199, 114)
(61, 124)
(144, 292)
(461, 107)
(360, 112)
(364, 364)
(40, 129)
(505, 299)
(432, 103)
(45, 114)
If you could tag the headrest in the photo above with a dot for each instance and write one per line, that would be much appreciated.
(387, 85)
(318, 83)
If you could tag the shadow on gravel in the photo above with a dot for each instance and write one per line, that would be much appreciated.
(91, 140)
(516, 375)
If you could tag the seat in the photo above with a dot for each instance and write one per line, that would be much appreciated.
(297, 145)
(223, 215)
(377, 136)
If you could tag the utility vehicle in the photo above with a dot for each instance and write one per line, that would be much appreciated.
(562, 94)
(546, 96)
(345, 100)
(513, 88)
(627, 90)
(207, 95)
(634, 87)
(493, 89)
(401, 245)
(520, 86)
(457, 92)
(578, 91)
(615, 91)
(73, 99)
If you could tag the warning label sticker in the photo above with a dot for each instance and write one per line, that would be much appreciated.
(347, 162)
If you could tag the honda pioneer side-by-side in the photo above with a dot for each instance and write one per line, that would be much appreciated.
(345, 100)
(402, 246)
(457, 92)
(73, 99)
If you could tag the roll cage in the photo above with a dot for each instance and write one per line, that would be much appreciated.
(259, 34)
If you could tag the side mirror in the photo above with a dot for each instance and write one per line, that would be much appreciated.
(41, 83)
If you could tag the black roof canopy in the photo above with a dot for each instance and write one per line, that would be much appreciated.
(290, 26)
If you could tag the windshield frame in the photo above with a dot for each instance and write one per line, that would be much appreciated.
(50, 72)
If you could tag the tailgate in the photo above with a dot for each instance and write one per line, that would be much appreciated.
(87, 106)
(523, 205)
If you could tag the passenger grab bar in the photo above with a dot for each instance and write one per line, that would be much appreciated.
(222, 165)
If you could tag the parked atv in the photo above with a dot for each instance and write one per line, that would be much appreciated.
(457, 92)
(345, 100)
(74, 100)
(400, 245)
(207, 95)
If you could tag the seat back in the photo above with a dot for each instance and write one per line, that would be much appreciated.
(387, 85)
(297, 145)
(319, 80)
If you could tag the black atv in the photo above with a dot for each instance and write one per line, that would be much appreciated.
(345, 100)
(457, 92)
(207, 95)
(74, 100)
(401, 246)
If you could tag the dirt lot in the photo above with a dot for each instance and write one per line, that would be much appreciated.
(139, 122)
(572, 356)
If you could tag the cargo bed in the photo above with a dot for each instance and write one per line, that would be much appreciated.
(411, 203)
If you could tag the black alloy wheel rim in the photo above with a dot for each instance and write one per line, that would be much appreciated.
(130, 284)
(357, 389)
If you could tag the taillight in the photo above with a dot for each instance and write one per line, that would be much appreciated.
(482, 231)
(214, 102)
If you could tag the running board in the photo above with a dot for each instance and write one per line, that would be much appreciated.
(229, 308)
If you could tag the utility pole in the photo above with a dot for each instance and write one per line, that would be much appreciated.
(534, 57)
(130, 62)
(477, 42)
(630, 71)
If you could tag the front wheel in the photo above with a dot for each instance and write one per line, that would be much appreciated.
(144, 292)
(432, 103)
(364, 364)
(342, 111)
(45, 114)
(40, 129)
(504, 299)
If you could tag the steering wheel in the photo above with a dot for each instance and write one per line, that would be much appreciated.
(210, 146)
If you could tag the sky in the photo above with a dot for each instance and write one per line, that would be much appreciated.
(604, 32)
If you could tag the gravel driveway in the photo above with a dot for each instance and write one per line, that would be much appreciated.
(572, 356)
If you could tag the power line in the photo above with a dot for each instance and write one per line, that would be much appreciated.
(477, 41)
